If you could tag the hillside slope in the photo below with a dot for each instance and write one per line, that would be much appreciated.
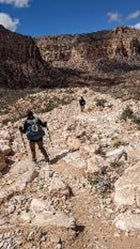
(89, 196)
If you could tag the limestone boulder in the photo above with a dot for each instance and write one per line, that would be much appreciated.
(57, 219)
(42, 215)
(22, 167)
(127, 188)
(58, 187)
(127, 221)
(23, 180)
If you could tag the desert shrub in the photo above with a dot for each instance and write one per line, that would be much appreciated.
(52, 103)
(117, 143)
(5, 121)
(100, 181)
(136, 120)
(115, 164)
(85, 91)
(100, 151)
(72, 127)
(127, 114)
(56, 102)
(100, 102)
(70, 91)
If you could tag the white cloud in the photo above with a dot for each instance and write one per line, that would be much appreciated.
(16, 3)
(114, 16)
(8, 22)
(136, 26)
(133, 15)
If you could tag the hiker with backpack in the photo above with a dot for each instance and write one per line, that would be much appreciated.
(34, 128)
(82, 103)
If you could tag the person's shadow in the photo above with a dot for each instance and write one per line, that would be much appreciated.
(59, 157)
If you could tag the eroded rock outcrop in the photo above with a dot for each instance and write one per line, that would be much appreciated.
(98, 52)
(21, 64)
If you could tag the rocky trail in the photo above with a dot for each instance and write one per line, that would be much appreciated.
(89, 197)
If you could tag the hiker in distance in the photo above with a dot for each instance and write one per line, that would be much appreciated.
(82, 103)
(33, 127)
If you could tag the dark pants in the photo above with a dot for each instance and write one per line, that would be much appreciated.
(82, 108)
(41, 147)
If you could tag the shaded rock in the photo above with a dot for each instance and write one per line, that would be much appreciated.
(5, 148)
(2, 161)
(21, 63)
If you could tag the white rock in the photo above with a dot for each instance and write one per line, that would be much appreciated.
(58, 219)
(58, 187)
(127, 221)
(23, 180)
(42, 216)
(76, 160)
(25, 217)
(127, 188)
(38, 206)
(117, 152)
(22, 167)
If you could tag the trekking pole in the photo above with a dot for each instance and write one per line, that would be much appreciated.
(49, 136)
(23, 141)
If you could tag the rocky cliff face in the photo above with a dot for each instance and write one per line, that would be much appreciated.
(68, 60)
(100, 52)
(20, 62)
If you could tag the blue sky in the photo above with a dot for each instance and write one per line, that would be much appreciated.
(47, 17)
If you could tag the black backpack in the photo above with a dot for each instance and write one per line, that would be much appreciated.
(35, 130)
(82, 102)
